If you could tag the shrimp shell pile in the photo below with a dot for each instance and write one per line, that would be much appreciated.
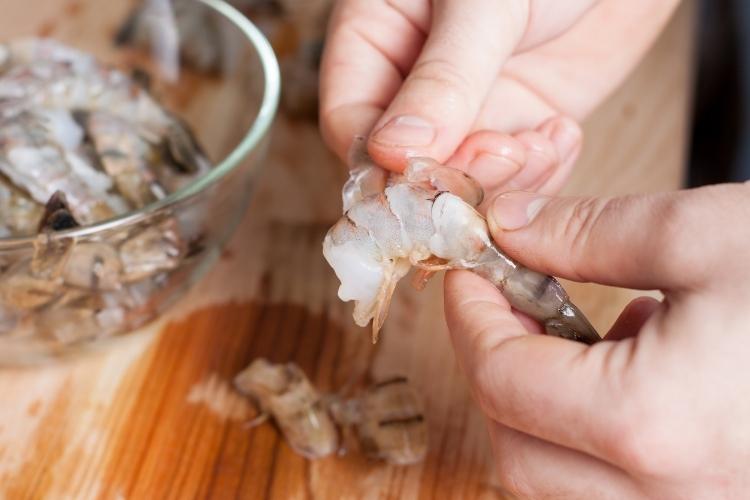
(426, 218)
(387, 417)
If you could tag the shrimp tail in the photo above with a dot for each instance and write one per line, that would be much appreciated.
(572, 324)
(540, 296)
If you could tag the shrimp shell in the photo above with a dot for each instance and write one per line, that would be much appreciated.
(284, 392)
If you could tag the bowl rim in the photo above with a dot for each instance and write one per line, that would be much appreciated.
(253, 136)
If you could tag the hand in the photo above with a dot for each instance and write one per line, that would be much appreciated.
(483, 85)
(660, 408)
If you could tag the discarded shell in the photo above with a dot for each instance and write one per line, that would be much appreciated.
(388, 420)
(284, 392)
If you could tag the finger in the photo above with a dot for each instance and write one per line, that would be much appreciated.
(551, 18)
(497, 160)
(632, 318)
(559, 391)
(511, 107)
(645, 241)
(529, 324)
(439, 101)
(370, 46)
(488, 312)
(492, 158)
(529, 467)
(541, 159)
(566, 137)
(340, 126)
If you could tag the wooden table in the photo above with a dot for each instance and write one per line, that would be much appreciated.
(154, 416)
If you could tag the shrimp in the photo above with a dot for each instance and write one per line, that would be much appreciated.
(43, 73)
(123, 155)
(21, 213)
(61, 109)
(33, 157)
(60, 264)
(151, 251)
(35, 282)
(426, 218)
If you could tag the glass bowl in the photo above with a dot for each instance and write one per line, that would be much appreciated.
(229, 108)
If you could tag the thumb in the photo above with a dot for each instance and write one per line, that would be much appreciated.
(668, 241)
(440, 99)
(468, 43)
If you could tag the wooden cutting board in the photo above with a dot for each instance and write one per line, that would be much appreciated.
(153, 415)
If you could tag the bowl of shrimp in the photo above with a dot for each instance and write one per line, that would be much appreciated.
(131, 134)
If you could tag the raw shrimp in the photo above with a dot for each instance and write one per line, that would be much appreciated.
(64, 264)
(105, 266)
(44, 73)
(151, 251)
(21, 214)
(32, 157)
(426, 218)
(35, 282)
(89, 142)
(123, 155)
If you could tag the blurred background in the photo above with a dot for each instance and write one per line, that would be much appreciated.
(720, 145)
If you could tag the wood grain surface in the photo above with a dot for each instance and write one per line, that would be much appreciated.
(153, 415)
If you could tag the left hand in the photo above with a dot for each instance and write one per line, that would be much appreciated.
(659, 409)
(494, 82)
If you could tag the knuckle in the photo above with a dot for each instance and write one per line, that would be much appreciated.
(483, 375)
(494, 391)
(673, 251)
(453, 86)
(640, 440)
(511, 471)
(513, 483)
(631, 445)
(641, 449)
(581, 225)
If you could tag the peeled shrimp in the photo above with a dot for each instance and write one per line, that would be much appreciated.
(425, 218)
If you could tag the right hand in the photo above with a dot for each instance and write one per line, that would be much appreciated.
(660, 407)
(482, 85)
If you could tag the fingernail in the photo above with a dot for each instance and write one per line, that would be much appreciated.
(567, 139)
(405, 131)
(492, 170)
(511, 211)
